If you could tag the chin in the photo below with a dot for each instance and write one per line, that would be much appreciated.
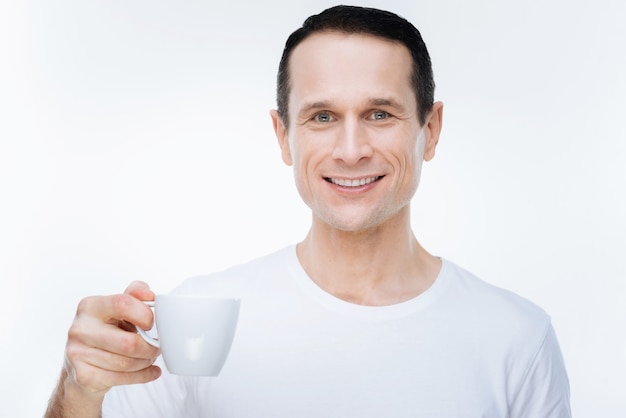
(355, 224)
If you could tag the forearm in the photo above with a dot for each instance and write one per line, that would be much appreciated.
(69, 401)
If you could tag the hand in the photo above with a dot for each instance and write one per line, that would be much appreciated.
(103, 349)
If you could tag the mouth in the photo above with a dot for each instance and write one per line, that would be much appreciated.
(353, 182)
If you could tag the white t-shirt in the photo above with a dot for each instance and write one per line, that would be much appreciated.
(463, 348)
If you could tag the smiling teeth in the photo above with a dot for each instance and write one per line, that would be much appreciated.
(353, 183)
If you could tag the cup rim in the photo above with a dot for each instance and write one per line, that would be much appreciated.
(196, 296)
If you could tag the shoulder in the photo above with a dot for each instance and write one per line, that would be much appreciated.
(254, 273)
(498, 315)
(484, 297)
(515, 332)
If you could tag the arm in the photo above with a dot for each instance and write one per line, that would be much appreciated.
(103, 350)
(545, 390)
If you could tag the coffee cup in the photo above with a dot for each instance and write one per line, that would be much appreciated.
(194, 332)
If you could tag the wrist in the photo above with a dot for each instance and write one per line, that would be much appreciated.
(72, 400)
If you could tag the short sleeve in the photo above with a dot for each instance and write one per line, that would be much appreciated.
(545, 390)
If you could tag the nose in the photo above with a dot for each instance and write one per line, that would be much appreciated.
(352, 143)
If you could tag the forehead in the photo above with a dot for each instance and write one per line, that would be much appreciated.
(337, 65)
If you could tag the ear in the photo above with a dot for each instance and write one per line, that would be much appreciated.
(281, 135)
(432, 129)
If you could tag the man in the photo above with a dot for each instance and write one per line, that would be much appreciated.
(357, 320)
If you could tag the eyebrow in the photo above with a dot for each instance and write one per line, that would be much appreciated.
(374, 101)
(314, 105)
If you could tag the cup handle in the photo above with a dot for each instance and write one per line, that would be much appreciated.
(143, 334)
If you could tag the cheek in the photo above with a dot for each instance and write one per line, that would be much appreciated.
(301, 171)
(417, 156)
(304, 158)
(419, 147)
(413, 160)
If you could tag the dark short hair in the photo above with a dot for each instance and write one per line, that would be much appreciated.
(354, 19)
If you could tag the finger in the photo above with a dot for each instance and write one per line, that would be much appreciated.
(141, 376)
(108, 361)
(90, 332)
(126, 326)
(110, 309)
(140, 290)
(96, 379)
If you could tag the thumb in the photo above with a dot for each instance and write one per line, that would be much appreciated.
(140, 290)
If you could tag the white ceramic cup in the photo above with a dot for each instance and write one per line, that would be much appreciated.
(195, 333)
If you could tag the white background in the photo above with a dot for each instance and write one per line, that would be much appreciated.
(135, 143)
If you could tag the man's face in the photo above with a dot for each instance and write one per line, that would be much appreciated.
(354, 138)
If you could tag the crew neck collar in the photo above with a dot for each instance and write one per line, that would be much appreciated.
(399, 310)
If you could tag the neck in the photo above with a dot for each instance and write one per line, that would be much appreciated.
(384, 265)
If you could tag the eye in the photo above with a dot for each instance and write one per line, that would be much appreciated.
(323, 117)
(379, 115)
